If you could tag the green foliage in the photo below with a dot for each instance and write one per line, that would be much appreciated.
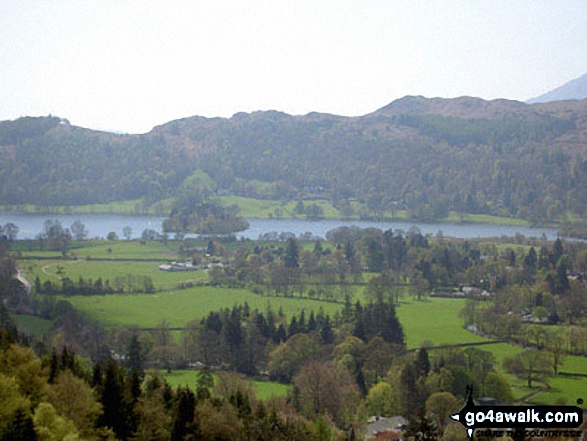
(61, 164)
(410, 164)
(11, 401)
(382, 400)
(530, 365)
(195, 212)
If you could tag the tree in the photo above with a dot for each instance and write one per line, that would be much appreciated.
(11, 402)
(421, 428)
(204, 383)
(314, 211)
(382, 400)
(440, 406)
(79, 230)
(292, 254)
(58, 237)
(497, 386)
(375, 257)
(11, 231)
(135, 356)
(114, 401)
(112, 236)
(555, 344)
(149, 234)
(287, 358)
(74, 400)
(184, 414)
(380, 288)
(50, 426)
(24, 366)
(127, 232)
(321, 430)
(217, 422)
(327, 387)
(530, 365)
(154, 419)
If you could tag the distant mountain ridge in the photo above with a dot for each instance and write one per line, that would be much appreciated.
(428, 156)
(573, 90)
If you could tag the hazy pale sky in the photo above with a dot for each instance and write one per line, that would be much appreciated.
(129, 65)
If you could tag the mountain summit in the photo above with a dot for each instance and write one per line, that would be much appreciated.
(573, 90)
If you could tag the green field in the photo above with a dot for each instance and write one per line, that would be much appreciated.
(31, 325)
(486, 219)
(436, 319)
(119, 249)
(119, 207)
(74, 269)
(565, 389)
(264, 209)
(263, 389)
(179, 307)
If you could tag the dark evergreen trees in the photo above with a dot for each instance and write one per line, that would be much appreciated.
(118, 412)
(292, 254)
(184, 415)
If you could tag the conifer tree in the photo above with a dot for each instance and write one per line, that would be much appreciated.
(184, 415)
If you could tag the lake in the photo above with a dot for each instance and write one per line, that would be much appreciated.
(99, 225)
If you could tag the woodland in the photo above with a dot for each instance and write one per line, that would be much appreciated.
(342, 367)
(465, 155)
(91, 330)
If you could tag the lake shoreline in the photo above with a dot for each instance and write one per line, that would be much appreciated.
(100, 225)
(487, 219)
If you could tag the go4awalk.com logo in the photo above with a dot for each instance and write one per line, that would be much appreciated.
(518, 417)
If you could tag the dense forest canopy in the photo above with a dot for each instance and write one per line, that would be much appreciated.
(427, 156)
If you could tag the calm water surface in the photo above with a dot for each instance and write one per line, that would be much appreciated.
(99, 225)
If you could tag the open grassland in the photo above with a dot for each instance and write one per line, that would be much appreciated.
(74, 269)
(120, 249)
(263, 389)
(485, 219)
(564, 390)
(119, 207)
(435, 319)
(256, 208)
(179, 307)
(31, 325)
(131, 249)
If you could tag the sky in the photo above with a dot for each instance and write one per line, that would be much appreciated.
(129, 65)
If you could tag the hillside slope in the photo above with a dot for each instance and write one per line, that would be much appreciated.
(425, 155)
(573, 90)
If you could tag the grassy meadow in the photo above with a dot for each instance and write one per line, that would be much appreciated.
(74, 269)
(179, 307)
(263, 389)
(433, 319)
(31, 325)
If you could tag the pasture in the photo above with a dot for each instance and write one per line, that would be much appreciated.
(31, 325)
(435, 319)
(54, 270)
(115, 249)
(179, 307)
(263, 389)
